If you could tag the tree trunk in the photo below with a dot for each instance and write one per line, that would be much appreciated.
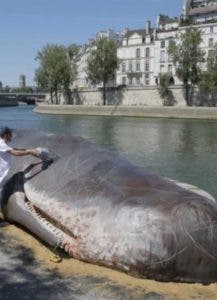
(51, 96)
(69, 96)
(192, 94)
(104, 93)
(188, 102)
(56, 96)
(213, 98)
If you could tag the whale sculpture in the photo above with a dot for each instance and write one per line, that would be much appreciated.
(102, 209)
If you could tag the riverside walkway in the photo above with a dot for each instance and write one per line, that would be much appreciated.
(131, 111)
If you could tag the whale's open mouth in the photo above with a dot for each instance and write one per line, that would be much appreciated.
(43, 217)
(22, 211)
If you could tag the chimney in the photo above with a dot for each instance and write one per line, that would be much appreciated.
(155, 33)
(148, 26)
(123, 32)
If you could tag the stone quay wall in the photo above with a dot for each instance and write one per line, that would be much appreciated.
(4, 102)
(148, 96)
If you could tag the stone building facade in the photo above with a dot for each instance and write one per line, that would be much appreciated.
(143, 53)
(200, 11)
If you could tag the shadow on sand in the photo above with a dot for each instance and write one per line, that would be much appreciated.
(23, 278)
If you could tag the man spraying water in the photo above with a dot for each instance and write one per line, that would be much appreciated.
(6, 152)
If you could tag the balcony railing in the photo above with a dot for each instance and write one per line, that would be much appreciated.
(132, 72)
(184, 23)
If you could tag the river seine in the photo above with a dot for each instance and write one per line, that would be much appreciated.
(185, 150)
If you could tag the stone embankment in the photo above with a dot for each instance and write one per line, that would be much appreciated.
(129, 111)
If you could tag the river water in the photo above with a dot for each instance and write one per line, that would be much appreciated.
(185, 150)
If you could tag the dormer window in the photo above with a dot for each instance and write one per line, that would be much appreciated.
(125, 42)
(163, 44)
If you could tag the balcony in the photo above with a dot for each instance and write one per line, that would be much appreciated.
(188, 22)
(133, 73)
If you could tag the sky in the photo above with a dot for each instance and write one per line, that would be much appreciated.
(28, 25)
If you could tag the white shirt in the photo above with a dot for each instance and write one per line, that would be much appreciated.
(5, 160)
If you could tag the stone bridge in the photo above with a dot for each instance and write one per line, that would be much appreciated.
(28, 98)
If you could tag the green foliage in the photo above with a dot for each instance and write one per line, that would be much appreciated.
(55, 71)
(73, 50)
(185, 22)
(187, 59)
(164, 90)
(41, 78)
(103, 63)
(209, 78)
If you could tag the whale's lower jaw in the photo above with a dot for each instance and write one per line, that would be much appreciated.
(20, 210)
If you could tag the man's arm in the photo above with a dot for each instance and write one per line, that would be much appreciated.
(24, 152)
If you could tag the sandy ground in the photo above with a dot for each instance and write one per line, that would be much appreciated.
(26, 272)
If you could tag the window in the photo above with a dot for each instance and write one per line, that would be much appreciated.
(147, 52)
(170, 57)
(171, 42)
(170, 68)
(161, 68)
(130, 67)
(123, 67)
(138, 81)
(124, 80)
(138, 52)
(211, 42)
(210, 53)
(162, 55)
(163, 44)
(131, 81)
(211, 29)
(137, 66)
(147, 79)
(147, 66)
(143, 40)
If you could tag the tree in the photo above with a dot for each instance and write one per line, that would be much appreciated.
(103, 63)
(55, 71)
(164, 90)
(187, 58)
(209, 77)
(72, 52)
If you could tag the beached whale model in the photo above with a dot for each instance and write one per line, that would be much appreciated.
(102, 209)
